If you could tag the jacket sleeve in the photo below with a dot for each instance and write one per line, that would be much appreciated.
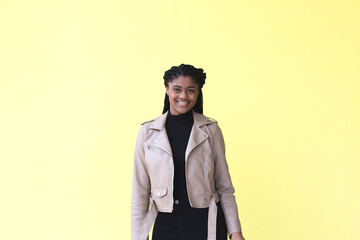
(223, 184)
(140, 186)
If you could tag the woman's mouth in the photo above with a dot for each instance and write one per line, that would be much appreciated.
(182, 103)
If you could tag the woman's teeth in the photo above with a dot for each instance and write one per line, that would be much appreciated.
(182, 103)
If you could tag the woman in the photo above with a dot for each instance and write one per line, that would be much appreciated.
(180, 169)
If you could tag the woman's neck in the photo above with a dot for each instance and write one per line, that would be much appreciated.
(188, 116)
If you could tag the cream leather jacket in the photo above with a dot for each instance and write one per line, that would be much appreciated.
(206, 170)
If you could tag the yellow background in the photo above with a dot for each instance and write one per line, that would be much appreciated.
(77, 78)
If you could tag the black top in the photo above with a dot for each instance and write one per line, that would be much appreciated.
(178, 128)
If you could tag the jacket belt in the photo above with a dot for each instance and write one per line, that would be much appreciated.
(150, 217)
(212, 218)
(148, 221)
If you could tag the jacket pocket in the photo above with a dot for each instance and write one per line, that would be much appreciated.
(158, 192)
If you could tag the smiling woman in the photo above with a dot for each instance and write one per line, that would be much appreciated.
(184, 77)
(180, 168)
(182, 93)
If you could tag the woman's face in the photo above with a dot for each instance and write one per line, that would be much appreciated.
(182, 92)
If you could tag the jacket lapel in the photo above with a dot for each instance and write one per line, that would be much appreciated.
(162, 140)
(197, 135)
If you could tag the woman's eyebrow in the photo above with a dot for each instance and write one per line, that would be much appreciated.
(177, 86)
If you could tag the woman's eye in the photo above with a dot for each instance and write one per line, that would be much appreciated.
(177, 89)
(191, 90)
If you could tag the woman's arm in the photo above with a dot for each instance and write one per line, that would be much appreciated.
(140, 187)
(224, 185)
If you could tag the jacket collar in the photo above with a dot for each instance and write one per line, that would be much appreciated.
(197, 135)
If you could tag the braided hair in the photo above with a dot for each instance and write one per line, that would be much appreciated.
(198, 76)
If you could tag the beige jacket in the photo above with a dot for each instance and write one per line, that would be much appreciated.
(206, 170)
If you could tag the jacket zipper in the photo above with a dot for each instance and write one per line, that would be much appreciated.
(156, 149)
(186, 178)
(204, 174)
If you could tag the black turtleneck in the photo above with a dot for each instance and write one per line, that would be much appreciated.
(178, 128)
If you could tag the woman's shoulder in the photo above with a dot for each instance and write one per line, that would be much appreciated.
(202, 119)
(157, 120)
(149, 121)
(211, 120)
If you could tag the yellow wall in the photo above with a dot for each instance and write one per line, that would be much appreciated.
(78, 77)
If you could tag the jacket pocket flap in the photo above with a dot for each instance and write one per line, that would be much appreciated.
(159, 192)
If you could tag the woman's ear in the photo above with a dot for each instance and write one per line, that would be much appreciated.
(167, 90)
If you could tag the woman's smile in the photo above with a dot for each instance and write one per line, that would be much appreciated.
(182, 103)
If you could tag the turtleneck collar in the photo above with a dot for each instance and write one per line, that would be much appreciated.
(185, 117)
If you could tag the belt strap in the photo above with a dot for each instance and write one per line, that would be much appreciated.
(212, 219)
(148, 221)
(153, 211)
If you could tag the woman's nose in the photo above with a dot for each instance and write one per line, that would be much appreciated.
(183, 94)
